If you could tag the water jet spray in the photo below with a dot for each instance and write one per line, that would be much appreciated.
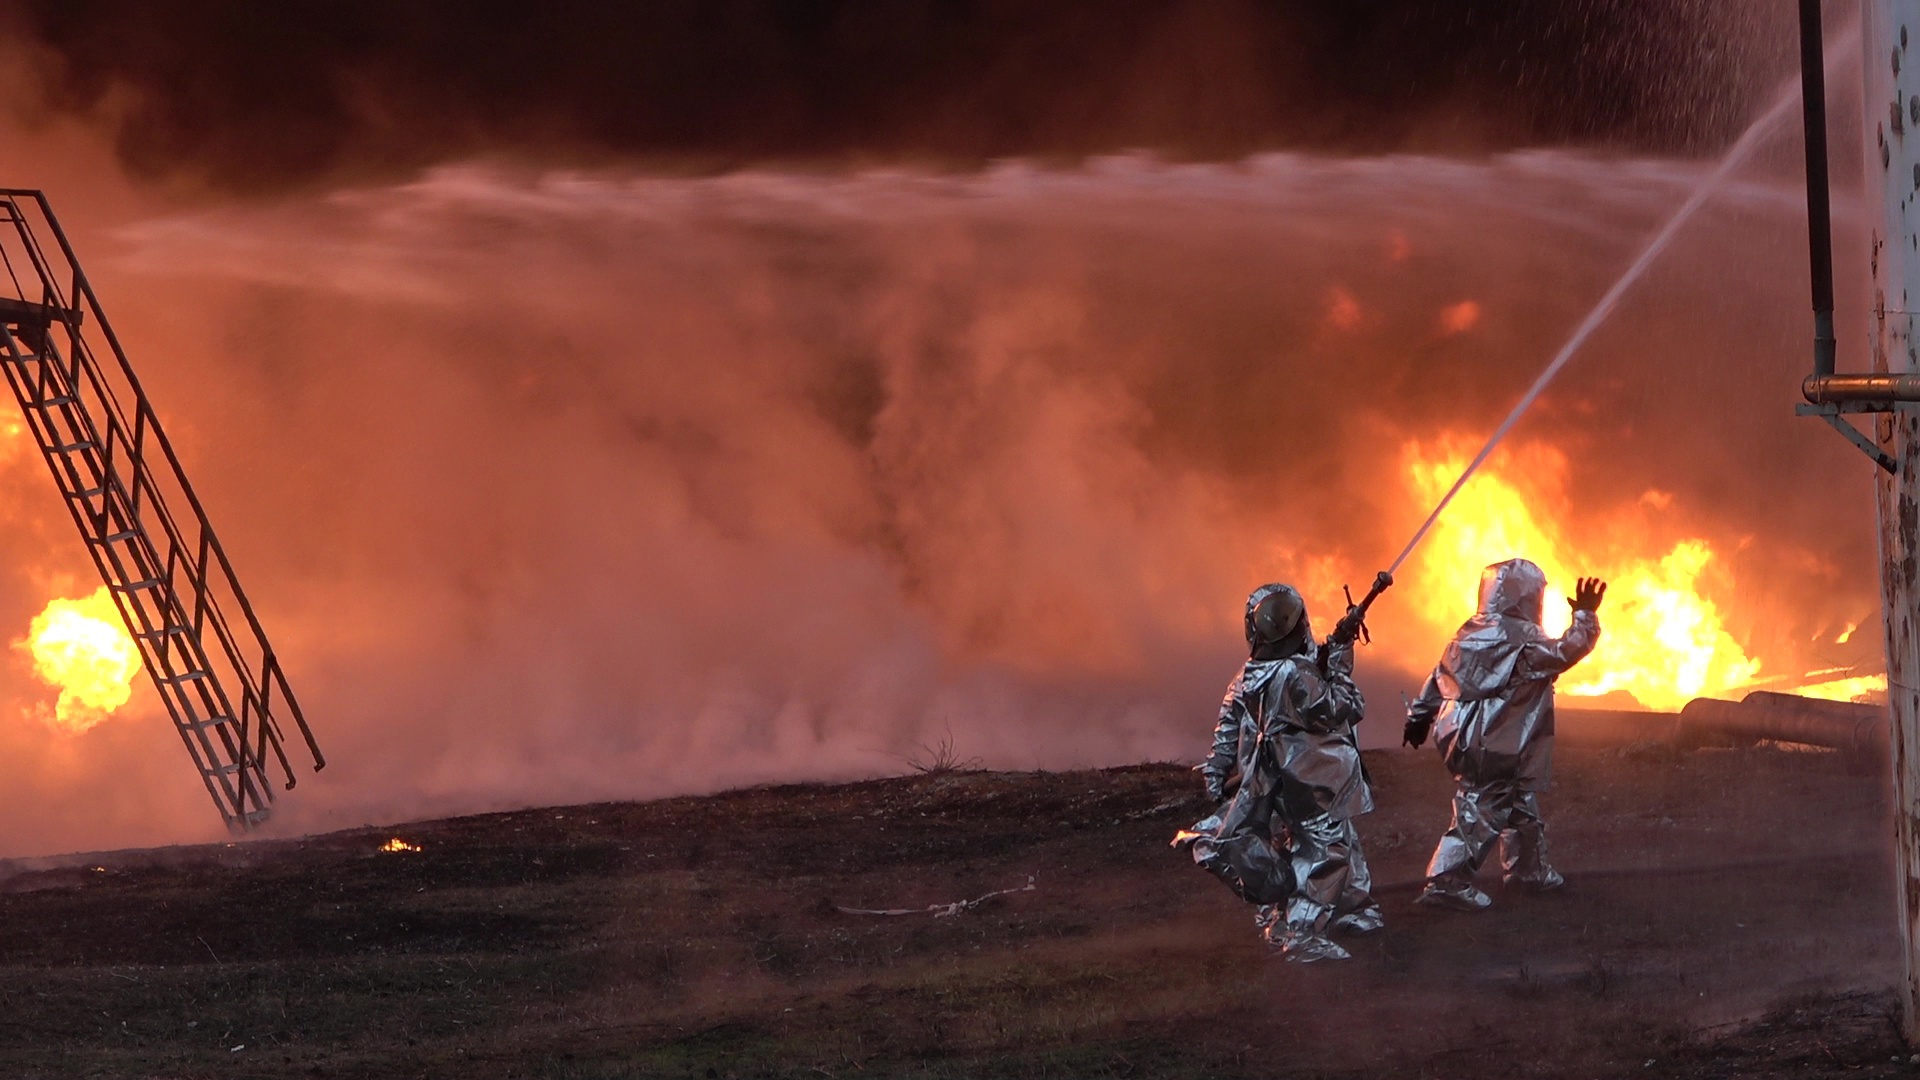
(1736, 156)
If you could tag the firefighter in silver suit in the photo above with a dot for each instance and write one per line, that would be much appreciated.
(1285, 841)
(1489, 707)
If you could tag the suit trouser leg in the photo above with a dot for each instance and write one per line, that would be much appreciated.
(1323, 852)
(1480, 815)
(1523, 847)
(1358, 895)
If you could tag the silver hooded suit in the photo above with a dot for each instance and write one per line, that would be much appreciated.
(1286, 839)
(1490, 704)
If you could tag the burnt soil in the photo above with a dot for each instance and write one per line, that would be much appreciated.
(1728, 913)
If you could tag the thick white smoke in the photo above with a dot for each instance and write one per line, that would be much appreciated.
(579, 486)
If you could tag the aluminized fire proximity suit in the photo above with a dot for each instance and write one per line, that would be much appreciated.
(1286, 840)
(1489, 704)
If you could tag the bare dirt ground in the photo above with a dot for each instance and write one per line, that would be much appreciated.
(1729, 913)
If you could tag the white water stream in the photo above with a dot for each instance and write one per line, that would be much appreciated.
(1709, 186)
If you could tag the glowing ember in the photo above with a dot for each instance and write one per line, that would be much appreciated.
(13, 440)
(397, 844)
(1343, 310)
(1664, 642)
(82, 647)
(1459, 318)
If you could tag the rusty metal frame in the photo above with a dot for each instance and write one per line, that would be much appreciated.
(144, 527)
(1831, 413)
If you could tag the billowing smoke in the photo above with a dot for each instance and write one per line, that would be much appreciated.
(564, 484)
(239, 95)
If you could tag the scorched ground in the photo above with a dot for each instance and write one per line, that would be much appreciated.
(1702, 934)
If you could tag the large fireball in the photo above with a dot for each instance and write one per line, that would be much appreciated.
(1664, 640)
(82, 647)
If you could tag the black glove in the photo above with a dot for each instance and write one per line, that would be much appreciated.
(1588, 595)
(1416, 732)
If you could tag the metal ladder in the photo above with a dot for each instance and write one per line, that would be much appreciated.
(142, 524)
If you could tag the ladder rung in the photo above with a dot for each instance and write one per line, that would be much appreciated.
(48, 403)
(68, 448)
(144, 583)
(86, 493)
(211, 721)
(185, 676)
(165, 631)
(225, 770)
(114, 537)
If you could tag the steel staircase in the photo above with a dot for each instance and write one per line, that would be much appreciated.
(141, 522)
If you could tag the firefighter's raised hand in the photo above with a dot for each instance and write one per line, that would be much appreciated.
(1587, 596)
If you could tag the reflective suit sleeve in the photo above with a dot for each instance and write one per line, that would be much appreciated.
(1550, 656)
(1226, 732)
(1324, 703)
(1426, 707)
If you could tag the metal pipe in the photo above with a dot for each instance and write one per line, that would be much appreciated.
(1860, 729)
(1830, 389)
(1813, 98)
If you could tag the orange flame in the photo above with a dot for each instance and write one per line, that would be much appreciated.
(1854, 688)
(396, 844)
(82, 647)
(1664, 641)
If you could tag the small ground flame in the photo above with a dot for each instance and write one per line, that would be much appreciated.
(396, 845)
(82, 647)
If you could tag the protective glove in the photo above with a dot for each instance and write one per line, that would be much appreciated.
(1337, 658)
(1416, 732)
(1215, 778)
(1588, 595)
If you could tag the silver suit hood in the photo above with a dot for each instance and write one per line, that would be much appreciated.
(1299, 638)
(1516, 587)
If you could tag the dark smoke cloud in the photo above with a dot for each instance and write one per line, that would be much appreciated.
(243, 95)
